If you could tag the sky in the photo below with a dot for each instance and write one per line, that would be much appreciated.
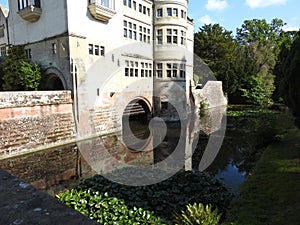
(231, 14)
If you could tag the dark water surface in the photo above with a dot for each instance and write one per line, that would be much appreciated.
(247, 130)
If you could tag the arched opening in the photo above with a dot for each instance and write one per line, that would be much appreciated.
(54, 83)
(135, 120)
(137, 109)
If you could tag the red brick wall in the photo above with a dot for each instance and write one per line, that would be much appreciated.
(32, 120)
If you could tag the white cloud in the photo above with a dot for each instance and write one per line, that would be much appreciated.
(264, 3)
(205, 19)
(295, 18)
(291, 28)
(216, 4)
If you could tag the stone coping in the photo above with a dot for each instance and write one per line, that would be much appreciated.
(34, 98)
(22, 204)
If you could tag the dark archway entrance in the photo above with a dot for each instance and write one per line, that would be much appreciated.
(55, 83)
(135, 129)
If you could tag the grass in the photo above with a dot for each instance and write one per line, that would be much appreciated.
(271, 195)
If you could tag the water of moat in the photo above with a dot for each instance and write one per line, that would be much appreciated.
(245, 129)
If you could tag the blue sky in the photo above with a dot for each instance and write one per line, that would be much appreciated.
(230, 14)
(4, 3)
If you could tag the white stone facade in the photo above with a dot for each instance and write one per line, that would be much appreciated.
(142, 45)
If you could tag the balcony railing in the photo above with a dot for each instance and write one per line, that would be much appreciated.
(102, 10)
(30, 10)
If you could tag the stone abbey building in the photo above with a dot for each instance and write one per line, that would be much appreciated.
(141, 47)
(117, 58)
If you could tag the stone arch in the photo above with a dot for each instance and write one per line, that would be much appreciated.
(135, 125)
(55, 79)
(138, 106)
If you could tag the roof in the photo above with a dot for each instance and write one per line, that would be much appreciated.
(4, 11)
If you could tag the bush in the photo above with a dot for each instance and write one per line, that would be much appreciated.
(105, 209)
(17, 73)
(260, 90)
(198, 214)
(167, 197)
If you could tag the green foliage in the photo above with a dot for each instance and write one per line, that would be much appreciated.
(258, 86)
(243, 67)
(214, 45)
(32, 76)
(18, 74)
(105, 209)
(258, 30)
(291, 80)
(246, 64)
(198, 214)
(268, 39)
(203, 108)
(260, 90)
(168, 197)
(279, 69)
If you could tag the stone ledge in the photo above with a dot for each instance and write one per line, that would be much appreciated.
(22, 204)
(34, 98)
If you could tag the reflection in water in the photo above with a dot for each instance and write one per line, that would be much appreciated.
(225, 163)
(232, 176)
(51, 170)
(136, 134)
(134, 146)
(139, 143)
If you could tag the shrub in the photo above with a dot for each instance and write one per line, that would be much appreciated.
(167, 197)
(105, 209)
(17, 73)
(198, 214)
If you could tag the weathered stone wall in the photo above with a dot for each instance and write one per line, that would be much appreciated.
(211, 94)
(35, 120)
(43, 123)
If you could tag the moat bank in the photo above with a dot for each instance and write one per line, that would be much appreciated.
(271, 195)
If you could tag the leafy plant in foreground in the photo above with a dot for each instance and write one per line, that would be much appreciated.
(167, 197)
(198, 214)
(105, 209)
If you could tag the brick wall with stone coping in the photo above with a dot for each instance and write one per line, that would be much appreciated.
(34, 120)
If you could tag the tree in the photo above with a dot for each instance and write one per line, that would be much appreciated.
(18, 73)
(291, 82)
(258, 30)
(215, 46)
(245, 67)
(288, 38)
(266, 40)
